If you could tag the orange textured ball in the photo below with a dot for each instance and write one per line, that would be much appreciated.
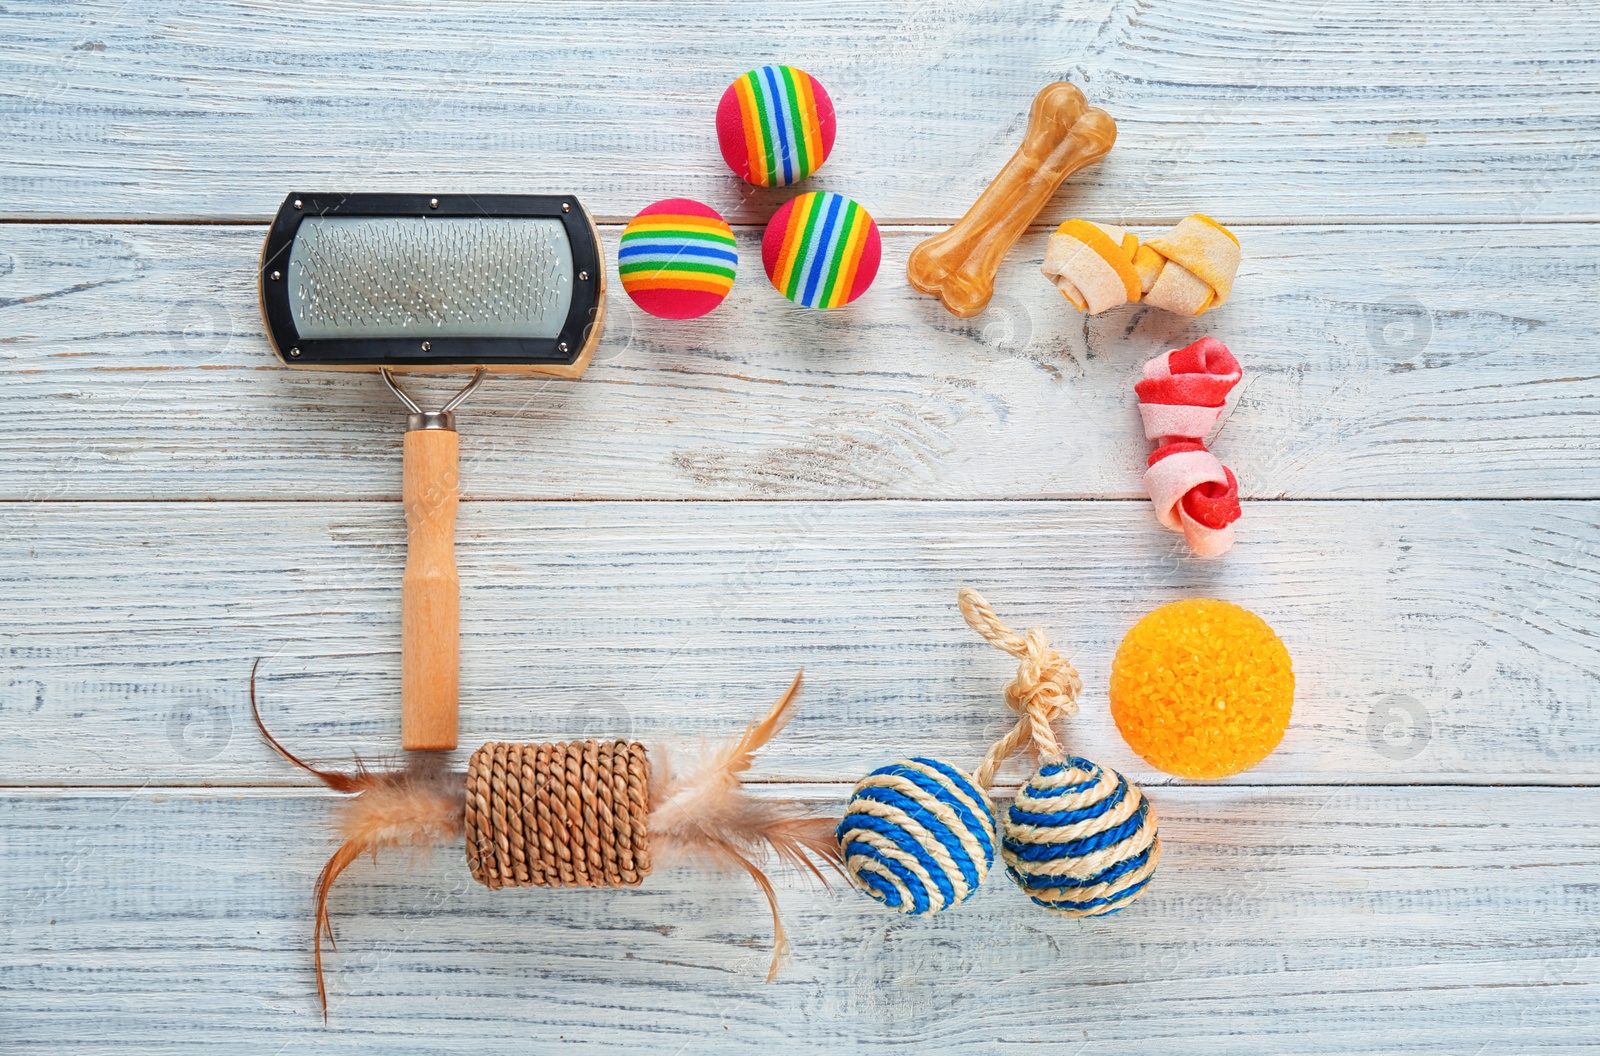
(1202, 688)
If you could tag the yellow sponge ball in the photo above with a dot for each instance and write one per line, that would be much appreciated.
(1202, 688)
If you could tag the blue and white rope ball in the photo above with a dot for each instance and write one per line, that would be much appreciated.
(1080, 840)
(918, 835)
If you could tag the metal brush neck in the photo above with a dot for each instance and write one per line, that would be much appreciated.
(444, 417)
(431, 420)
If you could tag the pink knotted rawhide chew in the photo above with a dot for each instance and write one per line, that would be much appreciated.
(1181, 398)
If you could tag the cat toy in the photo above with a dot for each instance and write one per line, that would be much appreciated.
(1181, 398)
(775, 126)
(821, 250)
(1202, 688)
(921, 835)
(579, 814)
(677, 259)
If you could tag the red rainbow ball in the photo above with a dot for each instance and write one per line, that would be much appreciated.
(775, 126)
(821, 250)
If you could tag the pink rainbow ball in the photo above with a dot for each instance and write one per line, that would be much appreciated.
(775, 126)
(821, 250)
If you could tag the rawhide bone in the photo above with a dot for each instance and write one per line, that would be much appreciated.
(1064, 134)
(1181, 398)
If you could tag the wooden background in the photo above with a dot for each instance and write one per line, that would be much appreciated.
(653, 551)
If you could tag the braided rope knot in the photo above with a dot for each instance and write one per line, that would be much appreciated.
(1044, 692)
(1045, 689)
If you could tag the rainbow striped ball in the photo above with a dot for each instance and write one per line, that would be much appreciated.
(775, 126)
(918, 836)
(677, 259)
(1080, 840)
(821, 250)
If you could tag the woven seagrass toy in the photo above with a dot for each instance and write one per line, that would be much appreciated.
(921, 835)
(579, 814)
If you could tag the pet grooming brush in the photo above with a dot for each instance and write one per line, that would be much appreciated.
(488, 284)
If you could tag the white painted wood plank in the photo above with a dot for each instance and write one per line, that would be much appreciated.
(1436, 642)
(1381, 361)
(1281, 921)
(1244, 109)
(1432, 641)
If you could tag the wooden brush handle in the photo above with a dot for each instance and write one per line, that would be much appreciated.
(430, 609)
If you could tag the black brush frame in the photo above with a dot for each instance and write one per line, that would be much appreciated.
(408, 352)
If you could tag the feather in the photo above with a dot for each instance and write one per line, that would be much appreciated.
(418, 806)
(705, 815)
(702, 815)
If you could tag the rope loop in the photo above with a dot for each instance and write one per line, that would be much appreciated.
(1044, 691)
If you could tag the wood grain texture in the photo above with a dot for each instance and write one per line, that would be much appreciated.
(1283, 921)
(1354, 110)
(1431, 641)
(1417, 190)
(1452, 362)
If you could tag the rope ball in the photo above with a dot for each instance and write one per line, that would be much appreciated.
(918, 836)
(1079, 839)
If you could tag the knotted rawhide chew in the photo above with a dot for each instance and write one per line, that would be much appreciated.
(1092, 265)
(1181, 397)
(1190, 268)
(558, 815)
(1187, 270)
(1079, 838)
